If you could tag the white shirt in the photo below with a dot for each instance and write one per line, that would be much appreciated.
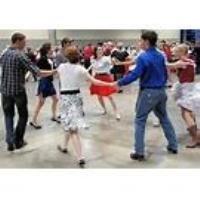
(102, 65)
(71, 76)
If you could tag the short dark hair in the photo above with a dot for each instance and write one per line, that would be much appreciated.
(45, 48)
(150, 36)
(17, 37)
(64, 41)
(72, 54)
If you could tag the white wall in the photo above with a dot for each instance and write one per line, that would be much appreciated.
(90, 34)
(98, 34)
(168, 34)
(31, 34)
(113, 34)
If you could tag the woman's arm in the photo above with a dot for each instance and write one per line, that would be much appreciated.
(118, 63)
(177, 65)
(98, 82)
(46, 73)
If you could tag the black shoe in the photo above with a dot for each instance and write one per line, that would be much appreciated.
(120, 91)
(172, 151)
(37, 127)
(55, 120)
(21, 145)
(62, 150)
(81, 163)
(135, 156)
(11, 147)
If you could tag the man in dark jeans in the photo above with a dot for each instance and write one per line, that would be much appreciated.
(15, 136)
(15, 64)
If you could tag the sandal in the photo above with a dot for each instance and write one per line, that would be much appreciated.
(37, 127)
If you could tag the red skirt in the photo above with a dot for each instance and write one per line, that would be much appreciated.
(103, 90)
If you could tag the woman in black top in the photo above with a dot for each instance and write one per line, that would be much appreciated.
(45, 87)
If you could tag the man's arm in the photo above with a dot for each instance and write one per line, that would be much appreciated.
(134, 75)
(26, 63)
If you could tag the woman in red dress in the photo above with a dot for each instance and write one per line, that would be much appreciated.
(101, 66)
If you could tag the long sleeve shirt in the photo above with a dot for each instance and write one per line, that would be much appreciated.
(150, 68)
(15, 64)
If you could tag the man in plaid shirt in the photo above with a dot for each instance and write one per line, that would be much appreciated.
(15, 65)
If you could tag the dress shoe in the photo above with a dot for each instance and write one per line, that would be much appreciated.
(135, 156)
(11, 147)
(172, 151)
(21, 145)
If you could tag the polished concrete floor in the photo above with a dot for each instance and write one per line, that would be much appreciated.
(107, 143)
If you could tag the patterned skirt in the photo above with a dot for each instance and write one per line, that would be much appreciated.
(71, 112)
(187, 95)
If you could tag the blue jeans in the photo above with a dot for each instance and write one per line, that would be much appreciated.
(152, 100)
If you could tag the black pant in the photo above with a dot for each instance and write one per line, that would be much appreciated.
(198, 67)
(87, 63)
(15, 136)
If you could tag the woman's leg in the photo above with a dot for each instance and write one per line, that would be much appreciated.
(188, 118)
(198, 130)
(114, 107)
(192, 127)
(54, 106)
(64, 148)
(66, 140)
(40, 103)
(74, 135)
(102, 103)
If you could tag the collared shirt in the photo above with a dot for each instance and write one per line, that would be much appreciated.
(150, 68)
(15, 65)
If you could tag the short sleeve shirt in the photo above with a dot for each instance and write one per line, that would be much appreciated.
(71, 76)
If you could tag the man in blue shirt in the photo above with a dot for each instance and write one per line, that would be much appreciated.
(152, 70)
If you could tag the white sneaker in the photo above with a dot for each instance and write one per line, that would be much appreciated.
(86, 126)
(118, 117)
(104, 112)
(156, 124)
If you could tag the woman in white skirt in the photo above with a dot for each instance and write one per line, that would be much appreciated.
(71, 75)
(187, 94)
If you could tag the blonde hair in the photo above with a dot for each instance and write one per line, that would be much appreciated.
(183, 48)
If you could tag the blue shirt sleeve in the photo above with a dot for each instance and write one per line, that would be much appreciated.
(135, 74)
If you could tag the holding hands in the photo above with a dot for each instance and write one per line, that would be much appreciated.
(178, 65)
(112, 84)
